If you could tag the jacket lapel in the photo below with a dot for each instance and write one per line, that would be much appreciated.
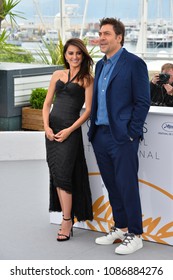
(99, 67)
(120, 63)
(98, 70)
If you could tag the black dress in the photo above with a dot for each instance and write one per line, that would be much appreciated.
(66, 160)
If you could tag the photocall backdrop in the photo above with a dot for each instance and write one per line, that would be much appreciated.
(155, 182)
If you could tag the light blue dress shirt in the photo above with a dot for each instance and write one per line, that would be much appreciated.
(108, 66)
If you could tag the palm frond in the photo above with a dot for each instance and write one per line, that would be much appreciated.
(6, 10)
(43, 56)
(3, 37)
(54, 51)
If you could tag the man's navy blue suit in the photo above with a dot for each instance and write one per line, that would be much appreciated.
(116, 145)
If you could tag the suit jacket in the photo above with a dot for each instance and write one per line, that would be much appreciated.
(127, 98)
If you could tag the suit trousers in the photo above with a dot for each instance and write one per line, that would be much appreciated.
(118, 164)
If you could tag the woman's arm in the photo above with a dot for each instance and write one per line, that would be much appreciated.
(47, 105)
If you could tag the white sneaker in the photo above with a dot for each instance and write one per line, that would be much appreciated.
(130, 244)
(113, 236)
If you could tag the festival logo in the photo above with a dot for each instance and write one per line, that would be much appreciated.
(167, 126)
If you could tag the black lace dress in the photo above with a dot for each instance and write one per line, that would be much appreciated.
(66, 160)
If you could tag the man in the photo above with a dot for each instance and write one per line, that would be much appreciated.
(120, 105)
(161, 87)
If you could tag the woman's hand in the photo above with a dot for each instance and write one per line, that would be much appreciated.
(49, 133)
(62, 135)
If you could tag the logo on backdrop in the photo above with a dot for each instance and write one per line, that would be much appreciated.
(145, 129)
(166, 129)
(145, 150)
(167, 126)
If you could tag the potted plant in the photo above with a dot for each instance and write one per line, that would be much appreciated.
(32, 115)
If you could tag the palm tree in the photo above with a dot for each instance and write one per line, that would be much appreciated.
(6, 7)
(10, 52)
(1, 11)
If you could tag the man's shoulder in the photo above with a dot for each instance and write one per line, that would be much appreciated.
(131, 55)
(100, 61)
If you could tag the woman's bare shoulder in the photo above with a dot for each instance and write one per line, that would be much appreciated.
(88, 81)
(60, 74)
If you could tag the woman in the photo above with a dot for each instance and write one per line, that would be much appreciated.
(69, 183)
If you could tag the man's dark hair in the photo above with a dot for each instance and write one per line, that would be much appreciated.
(118, 26)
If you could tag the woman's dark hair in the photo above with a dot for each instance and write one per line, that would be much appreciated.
(118, 26)
(87, 62)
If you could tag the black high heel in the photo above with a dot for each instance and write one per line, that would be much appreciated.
(66, 237)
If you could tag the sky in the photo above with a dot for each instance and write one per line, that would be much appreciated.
(122, 9)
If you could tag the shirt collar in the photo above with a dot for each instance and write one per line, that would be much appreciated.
(113, 58)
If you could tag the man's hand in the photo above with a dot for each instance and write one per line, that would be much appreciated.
(155, 78)
(169, 89)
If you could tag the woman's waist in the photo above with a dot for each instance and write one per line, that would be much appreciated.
(59, 121)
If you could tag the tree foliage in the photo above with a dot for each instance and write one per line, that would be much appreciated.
(11, 53)
(6, 9)
(55, 52)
